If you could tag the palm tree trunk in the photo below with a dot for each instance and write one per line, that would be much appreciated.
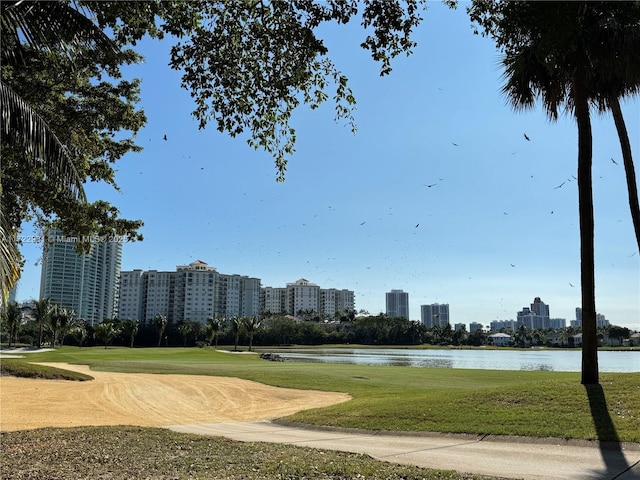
(585, 206)
(629, 169)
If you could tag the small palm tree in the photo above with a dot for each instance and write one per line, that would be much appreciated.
(160, 322)
(213, 327)
(236, 327)
(106, 331)
(12, 316)
(79, 331)
(130, 330)
(41, 312)
(251, 324)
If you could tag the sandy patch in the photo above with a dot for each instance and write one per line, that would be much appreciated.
(146, 400)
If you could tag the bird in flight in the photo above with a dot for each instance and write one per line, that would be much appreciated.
(454, 144)
(512, 265)
(614, 161)
(429, 186)
(571, 284)
(164, 137)
(363, 222)
(417, 225)
(527, 138)
(559, 185)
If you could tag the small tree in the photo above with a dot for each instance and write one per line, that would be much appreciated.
(160, 322)
(236, 327)
(106, 332)
(11, 316)
(130, 330)
(212, 329)
(41, 313)
(251, 324)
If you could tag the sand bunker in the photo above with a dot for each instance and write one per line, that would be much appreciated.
(146, 400)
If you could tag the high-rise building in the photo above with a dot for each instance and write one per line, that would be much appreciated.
(475, 326)
(536, 317)
(303, 296)
(86, 283)
(497, 325)
(193, 292)
(601, 321)
(434, 315)
(397, 302)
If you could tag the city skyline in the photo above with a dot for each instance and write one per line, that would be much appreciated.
(438, 193)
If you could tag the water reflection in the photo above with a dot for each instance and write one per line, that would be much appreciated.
(542, 360)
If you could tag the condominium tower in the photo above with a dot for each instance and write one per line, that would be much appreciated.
(302, 296)
(397, 303)
(434, 315)
(192, 292)
(85, 283)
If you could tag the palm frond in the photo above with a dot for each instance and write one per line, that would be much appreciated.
(9, 258)
(50, 26)
(23, 127)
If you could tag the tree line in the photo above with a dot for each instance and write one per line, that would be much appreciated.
(54, 326)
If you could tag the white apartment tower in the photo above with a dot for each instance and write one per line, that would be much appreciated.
(303, 296)
(397, 303)
(274, 299)
(193, 292)
(131, 294)
(435, 314)
(86, 283)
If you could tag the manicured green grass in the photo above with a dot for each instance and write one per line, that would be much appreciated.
(534, 403)
(117, 453)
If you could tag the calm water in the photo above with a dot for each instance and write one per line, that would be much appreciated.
(551, 360)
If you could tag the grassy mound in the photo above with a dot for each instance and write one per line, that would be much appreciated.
(20, 368)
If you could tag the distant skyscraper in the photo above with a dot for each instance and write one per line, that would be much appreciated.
(434, 315)
(397, 304)
(601, 321)
(85, 283)
(536, 317)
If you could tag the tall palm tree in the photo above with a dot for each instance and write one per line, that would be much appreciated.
(616, 45)
(567, 54)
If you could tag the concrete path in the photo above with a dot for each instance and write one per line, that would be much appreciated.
(522, 458)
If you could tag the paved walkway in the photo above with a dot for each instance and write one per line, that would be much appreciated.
(523, 458)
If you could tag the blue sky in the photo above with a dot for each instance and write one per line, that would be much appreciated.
(488, 236)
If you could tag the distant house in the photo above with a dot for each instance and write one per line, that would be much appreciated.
(577, 340)
(500, 339)
(634, 340)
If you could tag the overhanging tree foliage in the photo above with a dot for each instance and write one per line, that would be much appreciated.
(247, 65)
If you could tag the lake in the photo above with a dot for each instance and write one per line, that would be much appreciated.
(526, 359)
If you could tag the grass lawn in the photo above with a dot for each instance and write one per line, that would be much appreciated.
(121, 453)
(532, 403)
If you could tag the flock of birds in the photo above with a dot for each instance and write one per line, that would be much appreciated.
(431, 185)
